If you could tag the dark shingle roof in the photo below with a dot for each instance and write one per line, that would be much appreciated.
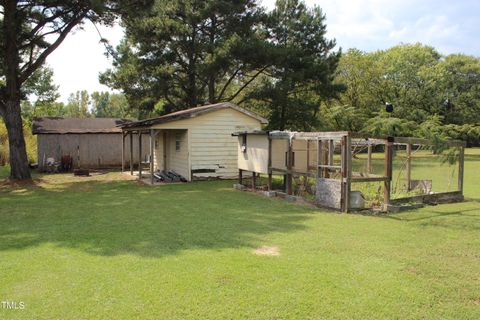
(192, 112)
(59, 125)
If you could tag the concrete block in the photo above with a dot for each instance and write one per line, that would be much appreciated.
(269, 194)
(239, 186)
(291, 198)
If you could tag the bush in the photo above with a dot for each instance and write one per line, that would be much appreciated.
(30, 142)
(3, 144)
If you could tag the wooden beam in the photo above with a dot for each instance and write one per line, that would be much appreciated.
(131, 153)
(327, 166)
(164, 150)
(331, 151)
(369, 158)
(368, 179)
(254, 181)
(240, 176)
(269, 183)
(319, 158)
(434, 198)
(408, 167)
(343, 174)
(139, 155)
(348, 176)
(152, 150)
(326, 157)
(308, 154)
(294, 173)
(123, 151)
(289, 181)
(388, 166)
(420, 141)
(461, 165)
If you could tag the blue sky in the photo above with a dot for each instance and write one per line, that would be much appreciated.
(449, 26)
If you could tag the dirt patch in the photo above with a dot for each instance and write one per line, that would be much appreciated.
(267, 251)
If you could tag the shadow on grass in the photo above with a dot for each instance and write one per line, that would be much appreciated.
(124, 217)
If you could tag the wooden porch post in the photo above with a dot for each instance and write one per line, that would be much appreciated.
(254, 181)
(123, 151)
(343, 173)
(165, 150)
(152, 150)
(240, 176)
(131, 153)
(269, 183)
(139, 154)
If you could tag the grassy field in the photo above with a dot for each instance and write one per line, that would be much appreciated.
(105, 247)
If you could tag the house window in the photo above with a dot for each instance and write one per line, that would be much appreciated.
(178, 141)
(244, 143)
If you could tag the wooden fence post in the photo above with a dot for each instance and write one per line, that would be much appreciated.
(319, 158)
(461, 165)
(343, 174)
(388, 165)
(289, 167)
(409, 166)
(369, 159)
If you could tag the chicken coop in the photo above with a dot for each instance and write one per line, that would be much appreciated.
(344, 167)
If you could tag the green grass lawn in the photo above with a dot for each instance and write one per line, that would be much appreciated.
(108, 248)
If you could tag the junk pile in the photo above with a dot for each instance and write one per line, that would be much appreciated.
(168, 176)
(53, 166)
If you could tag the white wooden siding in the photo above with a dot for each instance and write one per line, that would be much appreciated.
(255, 157)
(178, 160)
(212, 146)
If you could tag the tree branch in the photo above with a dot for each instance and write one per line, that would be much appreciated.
(220, 96)
(41, 59)
(247, 83)
(42, 23)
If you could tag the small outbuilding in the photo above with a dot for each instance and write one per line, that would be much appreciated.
(195, 143)
(91, 142)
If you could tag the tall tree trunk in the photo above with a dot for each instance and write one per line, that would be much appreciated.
(10, 108)
(18, 152)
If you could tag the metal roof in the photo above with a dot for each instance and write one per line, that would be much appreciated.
(192, 112)
(60, 125)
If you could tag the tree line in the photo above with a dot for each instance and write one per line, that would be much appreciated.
(178, 54)
(280, 63)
